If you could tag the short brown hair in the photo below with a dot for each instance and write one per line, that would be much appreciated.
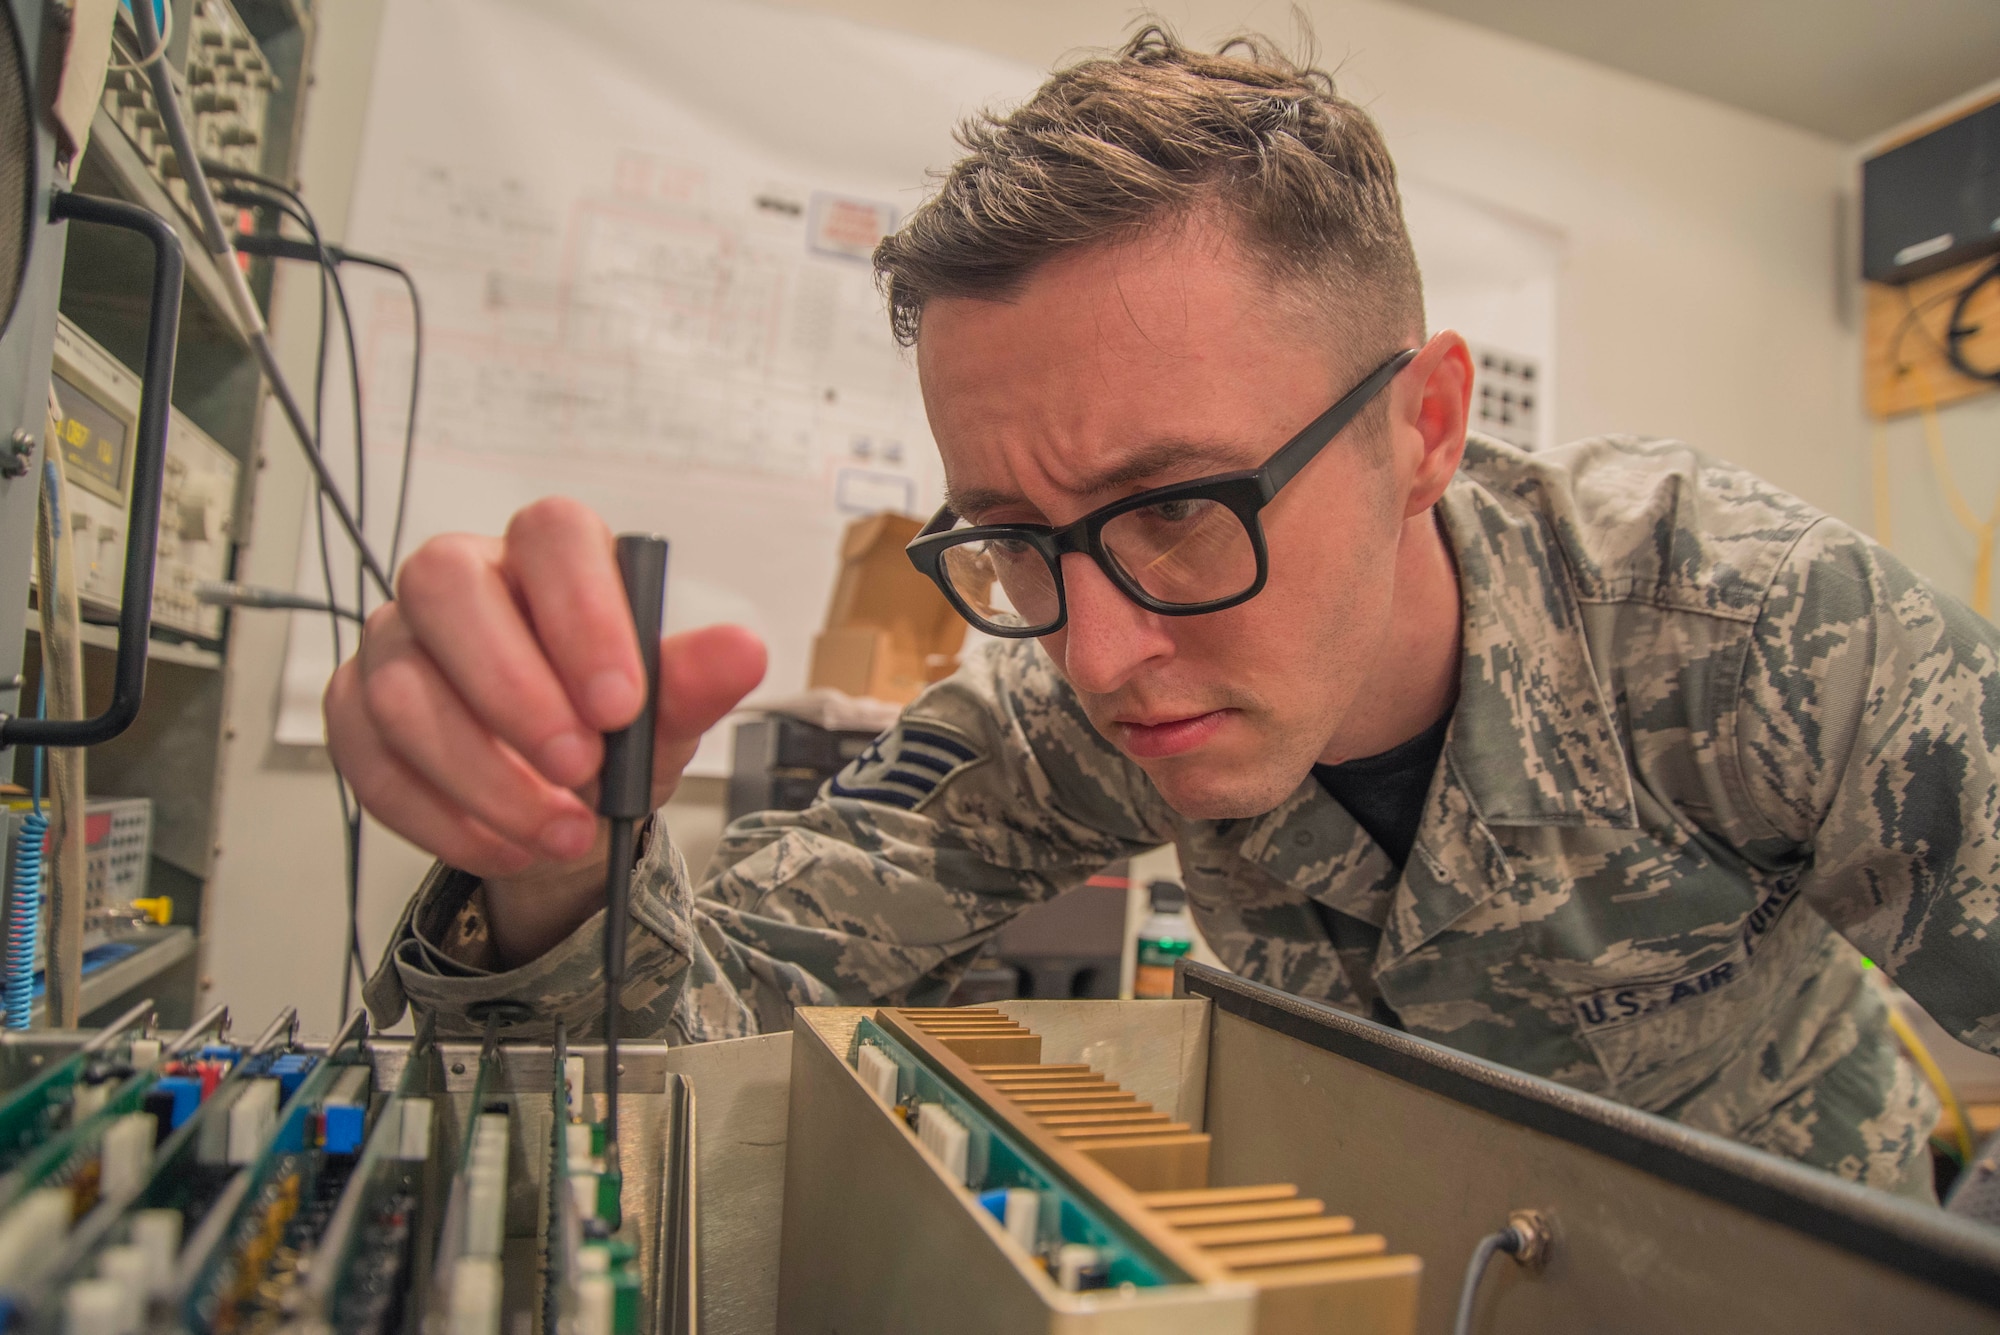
(1158, 132)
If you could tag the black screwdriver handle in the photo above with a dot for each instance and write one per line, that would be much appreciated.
(625, 787)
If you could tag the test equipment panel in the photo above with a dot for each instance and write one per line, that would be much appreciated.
(98, 404)
(118, 845)
(228, 85)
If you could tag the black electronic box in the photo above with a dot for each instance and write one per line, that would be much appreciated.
(1933, 202)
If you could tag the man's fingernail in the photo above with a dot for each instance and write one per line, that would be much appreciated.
(611, 696)
(567, 758)
(568, 836)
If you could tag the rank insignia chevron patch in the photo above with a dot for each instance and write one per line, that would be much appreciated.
(905, 765)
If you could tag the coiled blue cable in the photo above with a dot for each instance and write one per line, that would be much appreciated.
(24, 905)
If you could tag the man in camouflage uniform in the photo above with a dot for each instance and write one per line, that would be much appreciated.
(1694, 747)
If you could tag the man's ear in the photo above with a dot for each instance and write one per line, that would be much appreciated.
(1435, 401)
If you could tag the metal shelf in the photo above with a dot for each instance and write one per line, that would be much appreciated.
(135, 181)
(160, 651)
(164, 948)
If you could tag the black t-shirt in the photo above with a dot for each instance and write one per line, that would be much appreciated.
(1385, 793)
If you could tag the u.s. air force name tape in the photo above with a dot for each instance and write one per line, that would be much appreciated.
(1622, 1005)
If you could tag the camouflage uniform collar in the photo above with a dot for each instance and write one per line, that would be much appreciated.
(1533, 740)
(1311, 843)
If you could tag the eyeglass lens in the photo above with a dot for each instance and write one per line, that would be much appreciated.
(1181, 553)
(1004, 582)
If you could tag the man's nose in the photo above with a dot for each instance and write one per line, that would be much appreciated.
(1108, 636)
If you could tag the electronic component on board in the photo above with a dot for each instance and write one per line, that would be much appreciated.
(1079, 1267)
(1019, 1211)
(877, 1072)
(206, 1186)
(944, 1136)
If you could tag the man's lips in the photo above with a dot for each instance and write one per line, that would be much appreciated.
(1168, 737)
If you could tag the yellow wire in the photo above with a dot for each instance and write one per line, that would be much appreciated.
(1882, 508)
(1984, 530)
(1961, 1125)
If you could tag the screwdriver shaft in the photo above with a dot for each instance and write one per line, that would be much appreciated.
(625, 795)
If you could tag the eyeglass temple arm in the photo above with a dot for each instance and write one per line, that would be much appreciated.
(1283, 466)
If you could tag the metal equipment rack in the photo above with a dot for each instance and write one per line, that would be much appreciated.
(172, 754)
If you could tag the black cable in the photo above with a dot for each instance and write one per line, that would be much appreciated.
(318, 428)
(228, 593)
(290, 206)
(284, 248)
(275, 186)
(242, 301)
(280, 247)
(1509, 1240)
(1957, 332)
(416, 382)
(287, 204)
(1912, 311)
(276, 197)
(349, 814)
(316, 252)
(222, 171)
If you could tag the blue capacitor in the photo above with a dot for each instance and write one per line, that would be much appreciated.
(291, 1071)
(345, 1127)
(181, 1094)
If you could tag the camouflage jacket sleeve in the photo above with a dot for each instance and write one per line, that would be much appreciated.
(1869, 740)
(992, 792)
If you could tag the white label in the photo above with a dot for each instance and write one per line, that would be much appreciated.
(413, 1135)
(1923, 250)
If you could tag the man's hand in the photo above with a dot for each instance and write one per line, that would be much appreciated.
(471, 720)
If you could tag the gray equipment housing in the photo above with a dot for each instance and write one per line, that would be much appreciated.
(1657, 1227)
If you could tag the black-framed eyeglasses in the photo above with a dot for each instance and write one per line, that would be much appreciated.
(1180, 551)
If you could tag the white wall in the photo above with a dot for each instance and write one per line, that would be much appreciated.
(1698, 300)
(1922, 528)
(1698, 295)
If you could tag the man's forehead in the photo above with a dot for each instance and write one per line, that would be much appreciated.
(984, 485)
(1115, 368)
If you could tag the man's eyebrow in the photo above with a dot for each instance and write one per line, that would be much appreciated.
(1190, 458)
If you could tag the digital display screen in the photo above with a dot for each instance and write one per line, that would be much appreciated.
(94, 441)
